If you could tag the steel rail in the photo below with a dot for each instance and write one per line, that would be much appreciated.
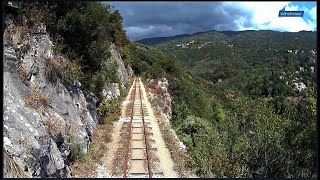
(145, 135)
(130, 134)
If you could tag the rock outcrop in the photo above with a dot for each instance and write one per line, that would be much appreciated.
(112, 90)
(122, 70)
(160, 87)
(162, 102)
(43, 122)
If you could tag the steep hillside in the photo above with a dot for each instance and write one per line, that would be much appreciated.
(251, 55)
(49, 115)
(253, 95)
(66, 66)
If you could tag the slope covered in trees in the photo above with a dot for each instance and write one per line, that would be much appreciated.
(236, 106)
(83, 31)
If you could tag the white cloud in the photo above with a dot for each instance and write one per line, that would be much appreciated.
(265, 16)
(313, 13)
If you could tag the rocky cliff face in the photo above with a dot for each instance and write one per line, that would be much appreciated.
(112, 90)
(44, 123)
(161, 101)
(159, 87)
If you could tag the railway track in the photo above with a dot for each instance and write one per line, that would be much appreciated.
(137, 154)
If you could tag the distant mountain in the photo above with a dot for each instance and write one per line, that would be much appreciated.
(157, 40)
(227, 55)
(274, 35)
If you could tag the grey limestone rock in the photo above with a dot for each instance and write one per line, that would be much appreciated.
(39, 142)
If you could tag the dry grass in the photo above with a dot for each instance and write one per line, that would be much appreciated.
(180, 158)
(26, 142)
(51, 126)
(23, 30)
(22, 75)
(67, 70)
(36, 100)
(101, 136)
(52, 67)
(182, 165)
(11, 169)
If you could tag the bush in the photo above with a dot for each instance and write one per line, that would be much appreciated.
(71, 71)
(126, 55)
(199, 135)
(57, 48)
(51, 126)
(75, 152)
(122, 91)
(36, 100)
(108, 107)
(112, 72)
(96, 84)
(66, 69)
(52, 69)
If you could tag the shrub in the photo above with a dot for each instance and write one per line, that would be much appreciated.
(126, 55)
(96, 83)
(71, 71)
(51, 126)
(112, 72)
(108, 107)
(67, 70)
(57, 48)
(52, 69)
(75, 152)
(36, 100)
(22, 75)
(109, 120)
(122, 91)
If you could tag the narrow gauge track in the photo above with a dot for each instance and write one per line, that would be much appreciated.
(138, 158)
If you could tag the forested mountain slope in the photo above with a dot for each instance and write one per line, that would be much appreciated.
(247, 104)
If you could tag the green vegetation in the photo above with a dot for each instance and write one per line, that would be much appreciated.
(234, 109)
(108, 107)
(233, 105)
(83, 31)
(75, 151)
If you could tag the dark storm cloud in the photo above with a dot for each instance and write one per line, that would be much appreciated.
(155, 19)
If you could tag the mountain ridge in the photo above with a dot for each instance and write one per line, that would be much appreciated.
(157, 40)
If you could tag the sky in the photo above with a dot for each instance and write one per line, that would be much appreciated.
(162, 19)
